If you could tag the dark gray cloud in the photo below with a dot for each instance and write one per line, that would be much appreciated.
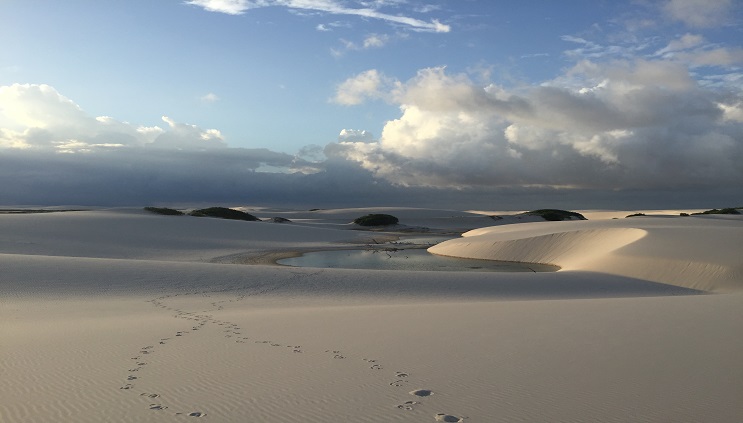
(228, 177)
(623, 144)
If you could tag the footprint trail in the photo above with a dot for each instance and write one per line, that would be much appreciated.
(232, 332)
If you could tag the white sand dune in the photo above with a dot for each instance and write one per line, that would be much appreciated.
(696, 252)
(120, 315)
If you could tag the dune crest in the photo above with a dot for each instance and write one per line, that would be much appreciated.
(569, 250)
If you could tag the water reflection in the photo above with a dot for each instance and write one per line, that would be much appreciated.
(406, 259)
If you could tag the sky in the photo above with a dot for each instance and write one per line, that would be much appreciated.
(483, 104)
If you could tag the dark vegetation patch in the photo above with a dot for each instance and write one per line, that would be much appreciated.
(164, 211)
(555, 215)
(376, 219)
(729, 210)
(30, 211)
(635, 214)
(224, 213)
(279, 220)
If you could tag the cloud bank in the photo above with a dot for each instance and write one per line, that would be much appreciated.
(53, 151)
(622, 125)
(640, 132)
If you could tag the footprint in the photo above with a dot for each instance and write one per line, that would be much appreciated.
(421, 392)
(441, 417)
(401, 375)
(131, 378)
(336, 354)
(376, 367)
(397, 382)
(195, 414)
(157, 407)
(407, 405)
(127, 386)
(145, 394)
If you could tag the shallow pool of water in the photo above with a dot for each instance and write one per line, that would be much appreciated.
(410, 259)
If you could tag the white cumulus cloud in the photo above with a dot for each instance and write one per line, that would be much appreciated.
(39, 117)
(187, 137)
(368, 84)
(630, 124)
(353, 135)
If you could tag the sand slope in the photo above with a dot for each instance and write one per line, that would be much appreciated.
(123, 316)
(693, 252)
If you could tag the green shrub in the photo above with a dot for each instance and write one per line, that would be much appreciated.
(376, 220)
(555, 214)
(164, 210)
(224, 213)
